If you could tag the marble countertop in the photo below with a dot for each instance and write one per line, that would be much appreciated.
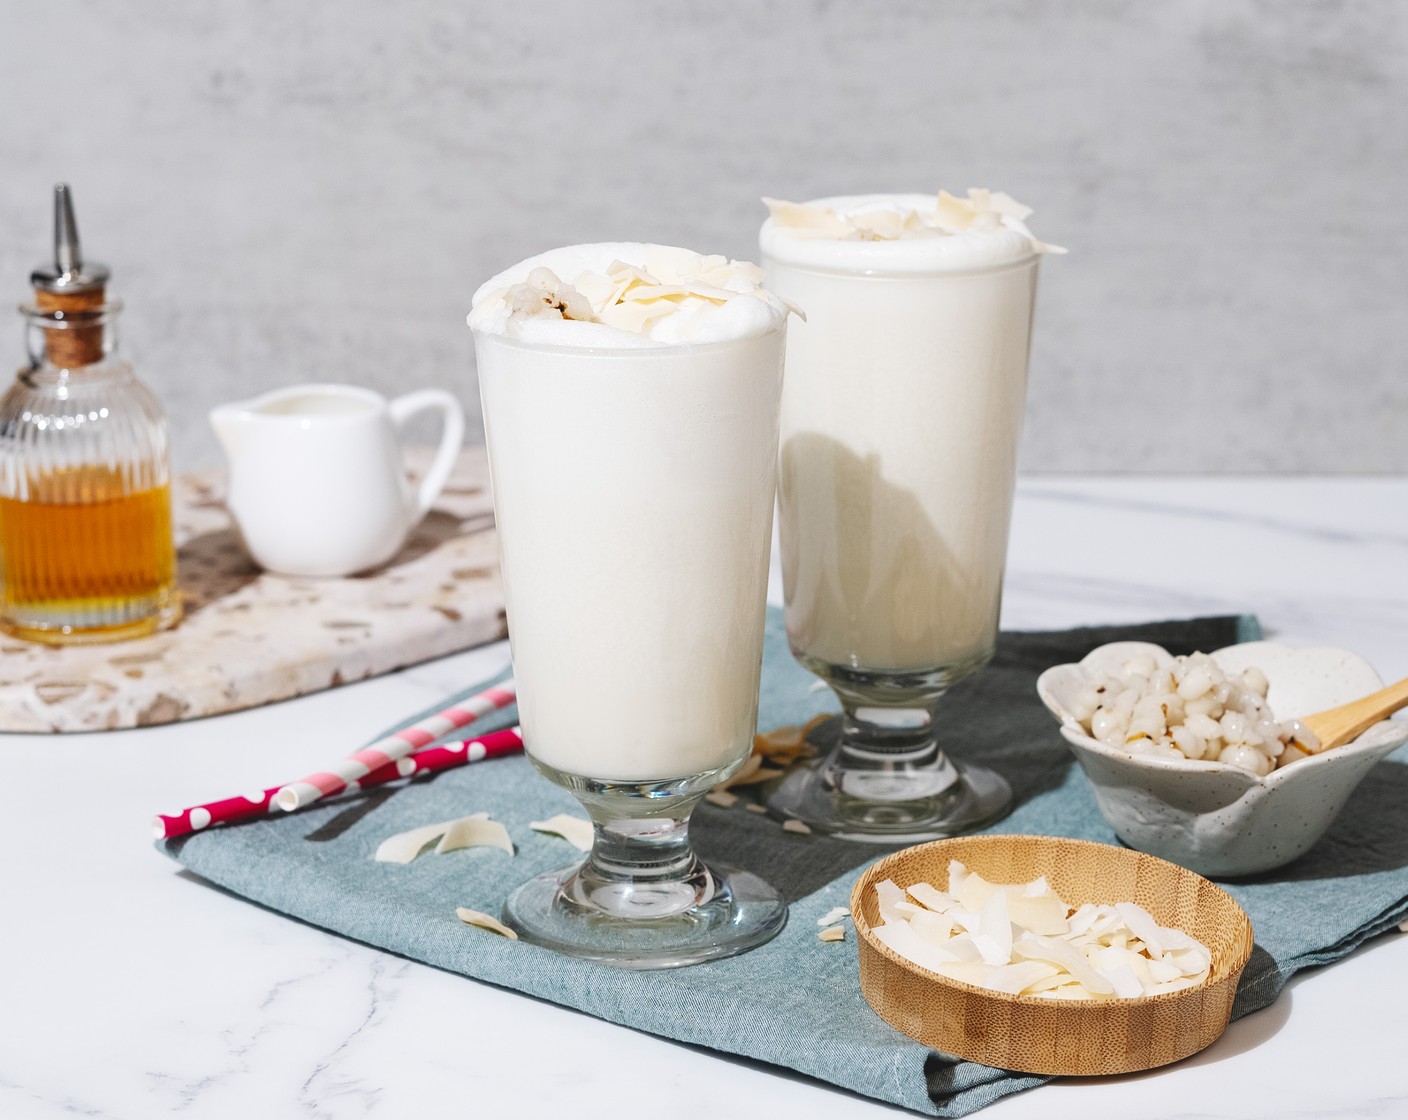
(130, 989)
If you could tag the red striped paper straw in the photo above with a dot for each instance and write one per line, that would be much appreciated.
(355, 767)
(232, 810)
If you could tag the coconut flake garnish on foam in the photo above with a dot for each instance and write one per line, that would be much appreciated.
(982, 211)
(627, 294)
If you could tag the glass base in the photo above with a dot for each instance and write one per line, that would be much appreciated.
(65, 626)
(721, 912)
(888, 796)
(642, 898)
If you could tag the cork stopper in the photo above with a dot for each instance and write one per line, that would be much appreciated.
(71, 287)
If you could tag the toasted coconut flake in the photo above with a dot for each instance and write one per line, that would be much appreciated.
(796, 826)
(405, 846)
(965, 918)
(996, 928)
(963, 947)
(754, 807)
(932, 897)
(890, 898)
(574, 830)
(776, 741)
(1175, 985)
(908, 944)
(1126, 984)
(937, 928)
(669, 283)
(1065, 991)
(783, 746)
(796, 215)
(484, 921)
(953, 212)
(1056, 980)
(1161, 972)
(969, 972)
(982, 211)
(599, 289)
(1045, 914)
(1004, 203)
(1014, 979)
(881, 225)
(751, 765)
(834, 915)
(722, 798)
(835, 933)
(972, 891)
(759, 775)
(1023, 939)
(1195, 961)
(474, 832)
(1068, 957)
(634, 316)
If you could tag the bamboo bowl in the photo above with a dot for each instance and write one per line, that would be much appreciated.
(1065, 1038)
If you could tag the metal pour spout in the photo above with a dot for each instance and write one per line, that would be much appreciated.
(68, 273)
(68, 256)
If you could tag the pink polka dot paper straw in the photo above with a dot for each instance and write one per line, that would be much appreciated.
(231, 810)
(226, 811)
(325, 783)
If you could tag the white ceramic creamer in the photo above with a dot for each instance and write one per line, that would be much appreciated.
(318, 483)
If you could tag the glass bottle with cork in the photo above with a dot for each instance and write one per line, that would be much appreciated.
(86, 547)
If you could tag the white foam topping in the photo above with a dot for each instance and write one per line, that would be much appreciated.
(619, 295)
(902, 232)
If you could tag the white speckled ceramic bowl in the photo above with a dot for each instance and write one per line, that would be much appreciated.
(1211, 817)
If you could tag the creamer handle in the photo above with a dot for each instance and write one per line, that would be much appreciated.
(451, 439)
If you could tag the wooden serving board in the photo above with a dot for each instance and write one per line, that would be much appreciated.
(250, 638)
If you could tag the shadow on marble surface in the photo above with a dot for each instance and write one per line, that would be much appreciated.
(435, 529)
(212, 566)
(1241, 1036)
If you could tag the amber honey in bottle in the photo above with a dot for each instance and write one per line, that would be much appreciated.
(86, 547)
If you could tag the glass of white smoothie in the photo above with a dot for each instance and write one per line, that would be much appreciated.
(631, 397)
(901, 414)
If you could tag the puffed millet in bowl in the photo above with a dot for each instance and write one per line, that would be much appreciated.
(1191, 709)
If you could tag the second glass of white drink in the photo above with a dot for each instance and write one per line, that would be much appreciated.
(901, 414)
(631, 397)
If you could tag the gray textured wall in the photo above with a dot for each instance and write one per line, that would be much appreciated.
(297, 191)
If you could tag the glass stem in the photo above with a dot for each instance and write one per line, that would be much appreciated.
(888, 754)
(642, 866)
(897, 734)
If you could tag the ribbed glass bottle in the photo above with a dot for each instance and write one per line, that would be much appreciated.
(86, 548)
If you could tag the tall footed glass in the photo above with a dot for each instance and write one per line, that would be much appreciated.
(634, 492)
(900, 421)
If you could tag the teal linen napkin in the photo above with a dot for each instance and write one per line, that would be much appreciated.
(796, 1001)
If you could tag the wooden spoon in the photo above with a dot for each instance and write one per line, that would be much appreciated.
(1336, 726)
